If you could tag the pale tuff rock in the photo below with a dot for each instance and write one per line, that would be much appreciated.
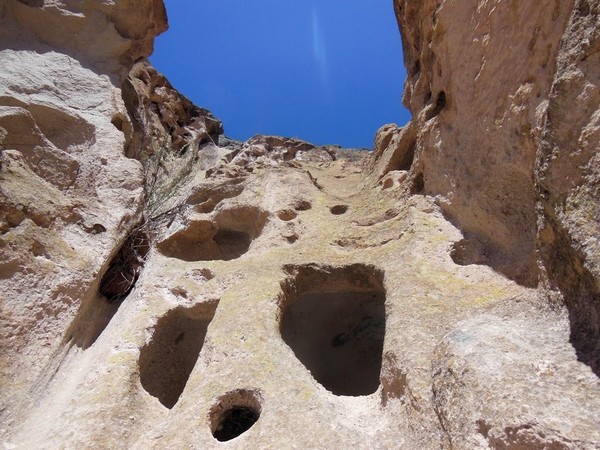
(109, 35)
(164, 131)
(164, 286)
(473, 364)
(161, 116)
(68, 194)
(568, 180)
(479, 74)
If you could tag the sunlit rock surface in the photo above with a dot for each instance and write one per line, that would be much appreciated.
(163, 286)
(69, 196)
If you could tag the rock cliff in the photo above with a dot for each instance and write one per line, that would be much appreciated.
(163, 286)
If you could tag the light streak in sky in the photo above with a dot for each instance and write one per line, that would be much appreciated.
(319, 49)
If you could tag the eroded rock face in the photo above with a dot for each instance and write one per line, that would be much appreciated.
(68, 194)
(477, 93)
(108, 35)
(166, 287)
(568, 180)
(164, 131)
(162, 117)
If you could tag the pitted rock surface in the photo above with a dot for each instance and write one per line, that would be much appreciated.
(164, 286)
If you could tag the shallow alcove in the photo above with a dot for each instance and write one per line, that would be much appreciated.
(302, 205)
(440, 104)
(232, 244)
(166, 362)
(287, 214)
(291, 238)
(475, 249)
(333, 318)
(100, 305)
(234, 413)
(403, 160)
(418, 184)
(66, 131)
(228, 236)
(125, 268)
(206, 198)
(467, 251)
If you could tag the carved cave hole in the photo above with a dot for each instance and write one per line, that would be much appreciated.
(206, 200)
(232, 244)
(333, 318)
(403, 160)
(302, 205)
(234, 413)
(226, 237)
(338, 209)
(440, 104)
(125, 268)
(116, 284)
(418, 184)
(166, 362)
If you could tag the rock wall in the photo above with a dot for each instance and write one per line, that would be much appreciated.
(106, 35)
(479, 74)
(499, 140)
(166, 287)
(69, 195)
(567, 176)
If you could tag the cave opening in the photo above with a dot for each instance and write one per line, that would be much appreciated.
(125, 268)
(338, 210)
(333, 318)
(227, 236)
(234, 422)
(168, 359)
(234, 413)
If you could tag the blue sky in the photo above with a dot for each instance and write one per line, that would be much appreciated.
(326, 71)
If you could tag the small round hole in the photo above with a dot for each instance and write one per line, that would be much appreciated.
(302, 205)
(339, 209)
(234, 413)
(291, 238)
(234, 422)
(287, 214)
(118, 120)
